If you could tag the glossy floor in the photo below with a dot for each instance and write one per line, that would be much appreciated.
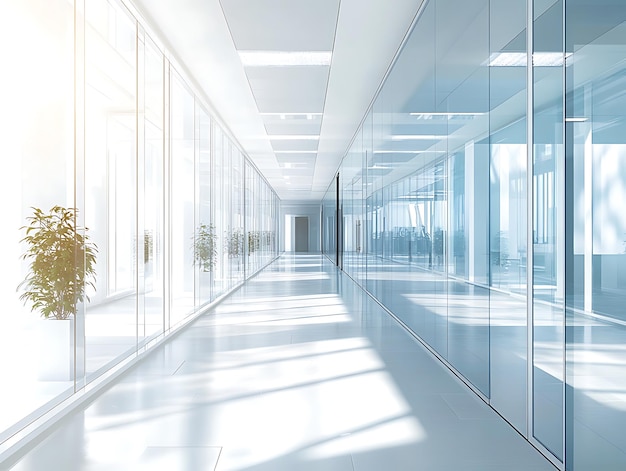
(297, 370)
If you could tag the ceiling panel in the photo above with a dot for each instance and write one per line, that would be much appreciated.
(288, 89)
(300, 124)
(297, 145)
(299, 161)
(282, 25)
(203, 37)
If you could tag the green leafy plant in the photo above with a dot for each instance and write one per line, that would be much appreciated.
(205, 246)
(62, 262)
(254, 240)
(148, 245)
(234, 243)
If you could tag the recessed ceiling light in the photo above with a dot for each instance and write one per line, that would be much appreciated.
(286, 116)
(284, 58)
(294, 165)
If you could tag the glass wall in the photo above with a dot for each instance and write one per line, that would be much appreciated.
(595, 229)
(112, 158)
(480, 203)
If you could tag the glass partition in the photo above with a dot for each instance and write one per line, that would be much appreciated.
(152, 197)
(183, 235)
(110, 182)
(37, 146)
(97, 122)
(548, 236)
(490, 207)
(595, 243)
(508, 220)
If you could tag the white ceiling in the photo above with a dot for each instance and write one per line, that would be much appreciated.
(204, 37)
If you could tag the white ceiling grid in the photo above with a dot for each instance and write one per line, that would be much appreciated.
(265, 105)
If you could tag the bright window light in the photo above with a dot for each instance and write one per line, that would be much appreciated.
(284, 58)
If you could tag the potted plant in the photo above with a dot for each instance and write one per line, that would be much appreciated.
(205, 247)
(62, 262)
(234, 243)
(61, 265)
(253, 241)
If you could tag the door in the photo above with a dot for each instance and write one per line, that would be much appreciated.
(302, 234)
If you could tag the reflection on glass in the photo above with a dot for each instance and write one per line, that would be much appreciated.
(548, 233)
(595, 253)
(90, 131)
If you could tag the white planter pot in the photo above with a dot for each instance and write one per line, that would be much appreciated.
(55, 345)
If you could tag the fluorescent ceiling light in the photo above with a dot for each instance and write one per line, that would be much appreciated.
(379, 167)
(295, 165)
(416, 137)
(575, 120)
(519, 59)
(293, 137)
(285, 116)
(284, 58)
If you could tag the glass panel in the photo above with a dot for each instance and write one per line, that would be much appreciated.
(548, 236)
(218, 201)
(37, 147)
(596, 234)
(153, 192)
(508, 214)
(234, 238)
(111, 182)
(206, 237)
(182, 201)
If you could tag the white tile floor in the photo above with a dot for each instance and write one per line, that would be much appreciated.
(298, 371)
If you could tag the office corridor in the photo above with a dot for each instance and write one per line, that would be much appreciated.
(297, 370)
